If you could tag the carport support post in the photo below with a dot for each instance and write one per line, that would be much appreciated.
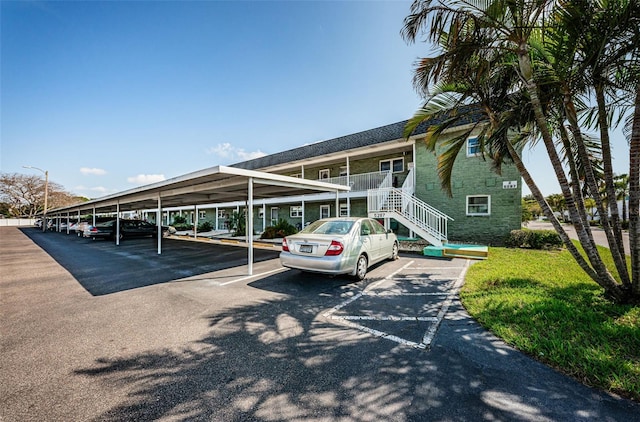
(250, 224)
(337, 204)
(159, 223)
(67, 222)
(195, 221)
(118, 223)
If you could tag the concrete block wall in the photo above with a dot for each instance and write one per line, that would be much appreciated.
(472, 176)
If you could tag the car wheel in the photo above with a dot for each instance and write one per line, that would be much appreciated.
(394, 252)
(361, 268)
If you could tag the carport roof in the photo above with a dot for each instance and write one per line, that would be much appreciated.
(208, 186)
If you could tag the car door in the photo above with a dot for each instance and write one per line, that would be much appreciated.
(383, 241)
(367, 237)
(129, 228)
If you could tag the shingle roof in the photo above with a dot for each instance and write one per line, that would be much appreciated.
(366, 138)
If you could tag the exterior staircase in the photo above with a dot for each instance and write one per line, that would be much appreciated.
(415, 214)
(386, 202)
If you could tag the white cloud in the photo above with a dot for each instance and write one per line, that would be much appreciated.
(92, 192)
(94, 171)
(143, 179)
(228, 152)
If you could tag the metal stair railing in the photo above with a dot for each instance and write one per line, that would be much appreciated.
(415, 211)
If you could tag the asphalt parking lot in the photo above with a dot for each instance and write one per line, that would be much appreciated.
(91, 331)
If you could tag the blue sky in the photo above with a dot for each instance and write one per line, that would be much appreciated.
(107, 96)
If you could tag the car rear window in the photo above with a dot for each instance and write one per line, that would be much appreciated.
(329, 227)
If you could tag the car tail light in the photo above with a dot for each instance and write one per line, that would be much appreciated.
(335, 248)
(93, 229)
(285, 247)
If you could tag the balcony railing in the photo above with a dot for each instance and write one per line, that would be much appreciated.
(360, 182)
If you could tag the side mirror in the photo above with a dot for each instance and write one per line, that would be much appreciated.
(389, 231)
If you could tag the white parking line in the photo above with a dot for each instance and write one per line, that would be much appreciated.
(347, 320)
(277, 270)
(429, 335)
(389, 277)
(382, 318)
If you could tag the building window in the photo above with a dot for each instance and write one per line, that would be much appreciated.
(324, 174)
(221, 213)
(202, 215)
(344, 210)
(473, 147)
(274, 216)
(479, 205)
(343, 171)
(295, 211)
(396, 165)
(325, 211)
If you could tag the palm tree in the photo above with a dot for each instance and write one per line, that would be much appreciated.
(556, 201)
(621, 185)
(539, 56)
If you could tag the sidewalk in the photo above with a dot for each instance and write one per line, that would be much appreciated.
(598, 233)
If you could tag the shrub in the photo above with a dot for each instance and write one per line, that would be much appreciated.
(281, 229)
(205, 226)
(534, 239)
(180, 223)
(179, 219)
(182, 226)
(517, 238)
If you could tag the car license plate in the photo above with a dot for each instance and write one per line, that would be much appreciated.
(306, 248)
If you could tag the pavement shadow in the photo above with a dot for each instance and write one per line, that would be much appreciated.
(103, 268)
(279, 360)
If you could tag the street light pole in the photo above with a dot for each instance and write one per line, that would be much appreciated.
(46, 194)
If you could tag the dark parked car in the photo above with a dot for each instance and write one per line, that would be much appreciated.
(128, 228)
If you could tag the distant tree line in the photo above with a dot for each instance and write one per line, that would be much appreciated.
(531, 209)
(22, 195)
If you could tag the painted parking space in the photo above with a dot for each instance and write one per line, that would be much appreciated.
(406, 306)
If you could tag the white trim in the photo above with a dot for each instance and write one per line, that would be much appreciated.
(467, 147)
(298, 209)
(391, 161)
(345, 207)
(325, 207)
(322, 172)
(481, 214)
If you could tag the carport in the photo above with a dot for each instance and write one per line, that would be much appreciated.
(208, 186)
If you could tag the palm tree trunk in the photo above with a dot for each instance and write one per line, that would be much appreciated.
(634, 198)
(613, 231)
(548, 212)
(604, 278)
(575, 180)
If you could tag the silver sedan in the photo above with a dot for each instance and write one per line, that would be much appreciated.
(347, 245)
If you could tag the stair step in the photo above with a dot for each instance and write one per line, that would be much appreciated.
(457, 251)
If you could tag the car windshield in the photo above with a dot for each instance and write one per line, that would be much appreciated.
(328, 227)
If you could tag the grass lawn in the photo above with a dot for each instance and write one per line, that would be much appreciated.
(543, 304)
